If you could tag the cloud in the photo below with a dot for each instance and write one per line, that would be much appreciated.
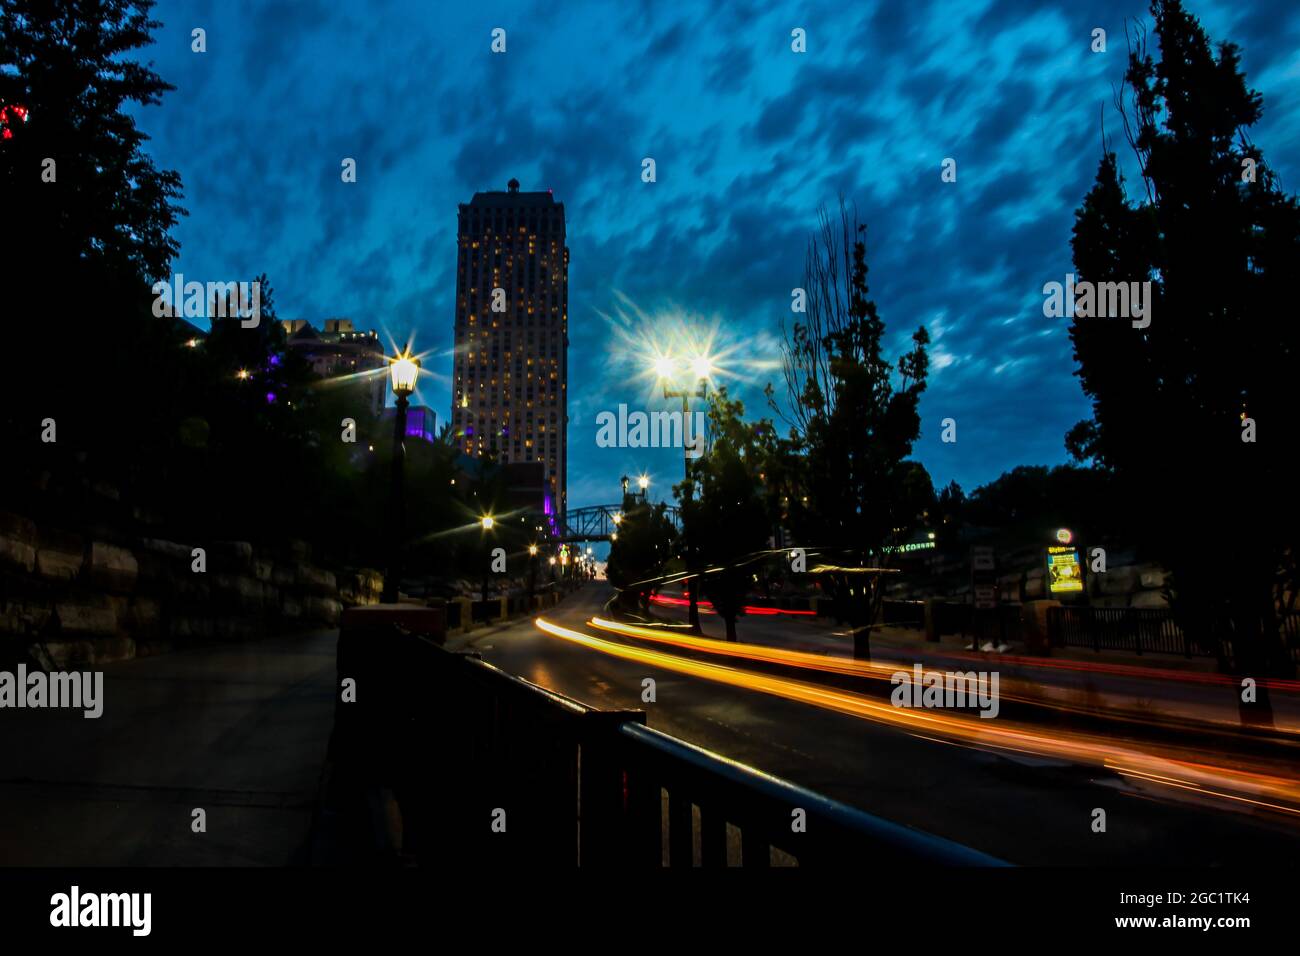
(749, 140)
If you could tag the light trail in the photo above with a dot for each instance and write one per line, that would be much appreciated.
(1256, 787)
(1012, 688)
(707, 607)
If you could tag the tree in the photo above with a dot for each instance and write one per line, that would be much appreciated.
(1176, 403)
(853, 424)
(641, 551)
(728, 517)
(96, 225)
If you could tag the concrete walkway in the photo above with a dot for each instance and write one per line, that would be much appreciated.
(239, 731)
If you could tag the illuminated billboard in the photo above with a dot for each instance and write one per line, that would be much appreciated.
(1064, 573)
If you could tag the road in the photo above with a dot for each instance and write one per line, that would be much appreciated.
(239, 731)
(1020, 806)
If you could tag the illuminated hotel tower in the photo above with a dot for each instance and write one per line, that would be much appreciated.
(511, 366)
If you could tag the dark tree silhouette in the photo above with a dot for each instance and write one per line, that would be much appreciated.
(94, 214)
(728, 517)
(853, 422)
(644, 546)
(1173, 402)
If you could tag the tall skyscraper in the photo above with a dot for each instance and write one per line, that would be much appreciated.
(512, 332)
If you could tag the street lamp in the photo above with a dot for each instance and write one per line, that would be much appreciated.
(487, 522)
(404, 371)
(701, 368)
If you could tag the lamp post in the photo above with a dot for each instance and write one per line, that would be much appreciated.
(487, 523)
(532, 576)
(404, 370)
(701, 367)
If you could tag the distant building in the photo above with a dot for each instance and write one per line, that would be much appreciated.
(510, 384)
(339, 349)
(421, 422)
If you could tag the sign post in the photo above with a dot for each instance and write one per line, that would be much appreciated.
(983, 582)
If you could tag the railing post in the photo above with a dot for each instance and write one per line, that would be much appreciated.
(603, 824)
(681, 836)
(713, 834)
(755, 848)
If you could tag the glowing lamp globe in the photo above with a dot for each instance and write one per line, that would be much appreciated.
(404, 371)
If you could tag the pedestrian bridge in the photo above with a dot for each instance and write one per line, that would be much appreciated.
(595, 523)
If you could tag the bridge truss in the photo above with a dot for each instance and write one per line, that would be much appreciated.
(596, 523)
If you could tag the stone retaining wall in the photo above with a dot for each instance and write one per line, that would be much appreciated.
(78, 600)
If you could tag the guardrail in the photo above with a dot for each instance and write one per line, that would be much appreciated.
(455, 760)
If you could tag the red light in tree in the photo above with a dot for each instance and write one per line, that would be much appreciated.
(7, 115)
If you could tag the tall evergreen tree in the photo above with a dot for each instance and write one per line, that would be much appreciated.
(1195, 412)
(90, 218)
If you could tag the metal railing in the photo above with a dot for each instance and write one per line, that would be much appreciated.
(1148, 631)
(1139, 630)
(454, 747)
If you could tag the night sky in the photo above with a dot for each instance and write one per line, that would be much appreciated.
(748, 138)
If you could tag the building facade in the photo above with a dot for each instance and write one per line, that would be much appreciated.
(340, 349)
(510, 376)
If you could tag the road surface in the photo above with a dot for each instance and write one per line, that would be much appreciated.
(1021, 807)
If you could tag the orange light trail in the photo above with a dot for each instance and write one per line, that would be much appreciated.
(1252, 786)
(1012, 688)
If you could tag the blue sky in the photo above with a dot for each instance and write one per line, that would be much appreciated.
(749, 139)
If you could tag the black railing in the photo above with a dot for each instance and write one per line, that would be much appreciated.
(1138, 630)
(458, 761)
(1148, 631)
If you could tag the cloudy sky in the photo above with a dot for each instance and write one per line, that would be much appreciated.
(749, 139)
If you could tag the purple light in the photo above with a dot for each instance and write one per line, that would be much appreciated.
(270, 397)
(275, 360)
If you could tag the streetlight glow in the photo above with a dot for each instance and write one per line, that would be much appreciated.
(404, 370)
(643, 482)
(487, 522)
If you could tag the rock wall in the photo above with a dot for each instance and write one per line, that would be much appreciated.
(76, 600)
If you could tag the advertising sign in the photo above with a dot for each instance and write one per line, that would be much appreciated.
(1064, 573)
